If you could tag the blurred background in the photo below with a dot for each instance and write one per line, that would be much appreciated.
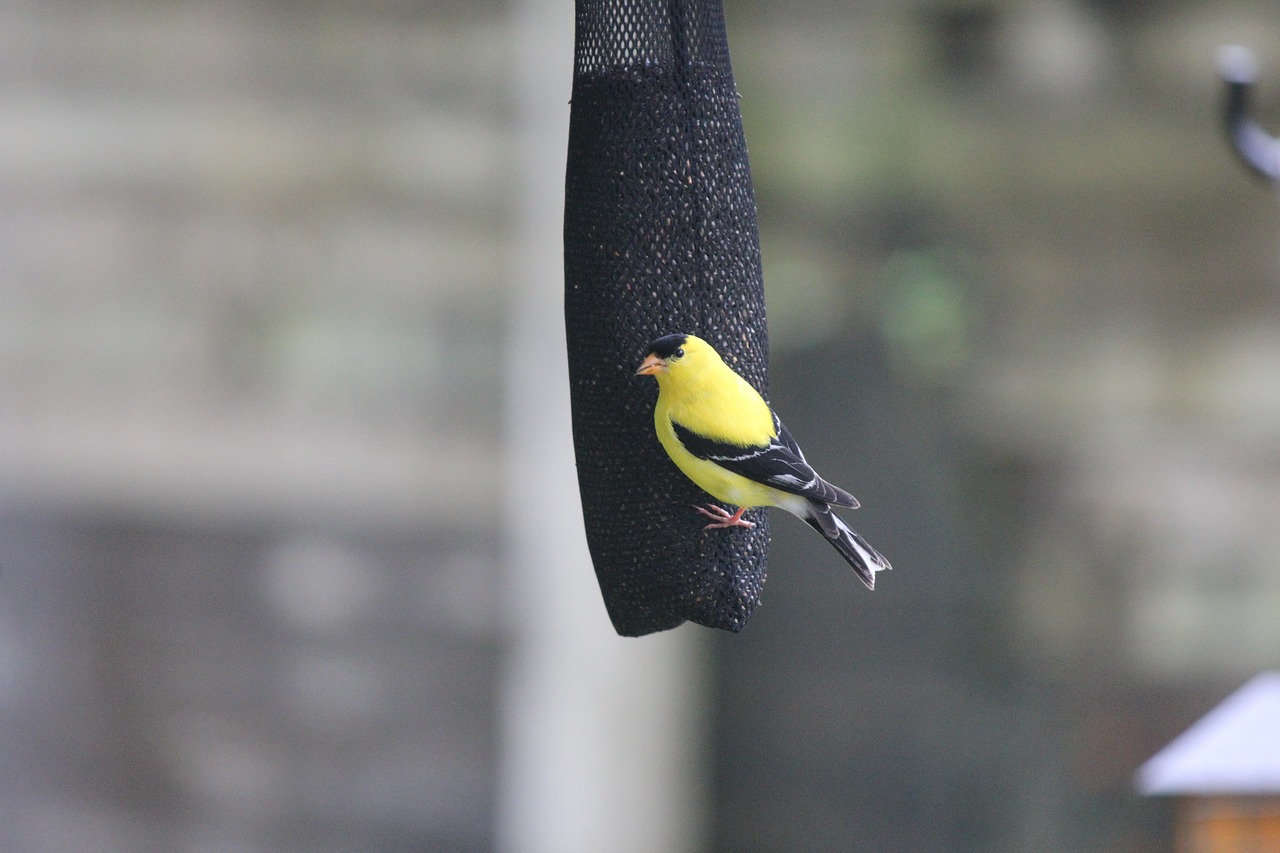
(279, 357)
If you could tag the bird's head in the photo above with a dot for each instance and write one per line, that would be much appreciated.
(672, 354)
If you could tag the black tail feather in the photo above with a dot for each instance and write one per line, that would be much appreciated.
(866, 561)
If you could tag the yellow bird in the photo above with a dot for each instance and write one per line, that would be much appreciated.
(722, 434)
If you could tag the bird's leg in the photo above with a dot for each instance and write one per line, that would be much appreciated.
(723, 518)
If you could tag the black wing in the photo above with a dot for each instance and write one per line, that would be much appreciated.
(779, 464)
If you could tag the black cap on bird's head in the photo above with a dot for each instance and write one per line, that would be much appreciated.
(666, 346)
(660, 354)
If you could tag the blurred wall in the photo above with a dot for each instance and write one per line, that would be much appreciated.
(1023, 302)
(252, 262)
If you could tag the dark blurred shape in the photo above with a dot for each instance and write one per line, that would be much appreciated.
(965, 39)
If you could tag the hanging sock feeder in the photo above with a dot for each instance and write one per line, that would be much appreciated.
(660, 237)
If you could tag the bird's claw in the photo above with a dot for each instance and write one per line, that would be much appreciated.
(722, 518)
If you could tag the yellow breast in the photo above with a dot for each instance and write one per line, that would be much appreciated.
(731, 411)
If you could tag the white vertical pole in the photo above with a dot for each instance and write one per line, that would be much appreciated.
(602, 736)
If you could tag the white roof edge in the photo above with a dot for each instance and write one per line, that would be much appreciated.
(1233, 749)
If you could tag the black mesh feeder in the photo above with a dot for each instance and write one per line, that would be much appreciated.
(660, 237)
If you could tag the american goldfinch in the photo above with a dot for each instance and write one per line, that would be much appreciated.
(722, 434)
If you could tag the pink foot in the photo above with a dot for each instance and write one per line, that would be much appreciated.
(723, 518)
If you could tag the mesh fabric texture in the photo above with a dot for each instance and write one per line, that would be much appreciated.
(660, 237)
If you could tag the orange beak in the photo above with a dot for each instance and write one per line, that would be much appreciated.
(651, 365)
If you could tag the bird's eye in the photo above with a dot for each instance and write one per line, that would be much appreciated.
(679, 353)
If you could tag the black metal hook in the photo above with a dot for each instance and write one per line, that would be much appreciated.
(1257, 149)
